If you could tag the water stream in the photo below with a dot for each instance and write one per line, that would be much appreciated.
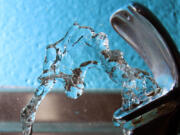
(69, 59)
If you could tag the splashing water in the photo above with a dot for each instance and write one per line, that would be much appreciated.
(68, 60)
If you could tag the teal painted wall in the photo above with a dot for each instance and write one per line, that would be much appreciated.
(27, 26)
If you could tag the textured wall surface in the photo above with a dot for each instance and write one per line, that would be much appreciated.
(26, 27)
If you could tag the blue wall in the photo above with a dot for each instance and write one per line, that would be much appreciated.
(27, 26)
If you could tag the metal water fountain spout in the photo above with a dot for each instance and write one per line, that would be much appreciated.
(142, 30)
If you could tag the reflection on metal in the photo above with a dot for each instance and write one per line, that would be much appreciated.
(140, 33)
(58, 113)
(63, 109)
(141, 29)
(74, 128)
